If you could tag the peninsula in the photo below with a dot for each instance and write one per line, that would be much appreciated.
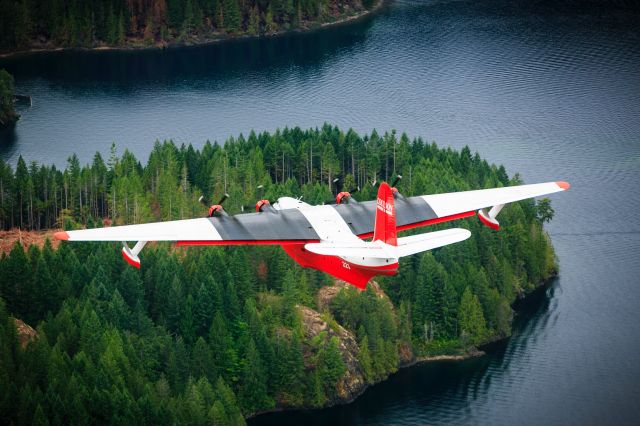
(108, 24)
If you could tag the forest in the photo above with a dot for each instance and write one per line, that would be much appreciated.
(213, 335)
(75, 23)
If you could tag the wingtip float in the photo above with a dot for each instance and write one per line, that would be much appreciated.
(331, 237)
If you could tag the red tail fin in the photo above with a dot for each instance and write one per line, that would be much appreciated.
(385, 226)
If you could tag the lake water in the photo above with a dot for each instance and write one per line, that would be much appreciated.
(551, 89)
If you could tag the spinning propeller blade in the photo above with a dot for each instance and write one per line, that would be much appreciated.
(223, 199)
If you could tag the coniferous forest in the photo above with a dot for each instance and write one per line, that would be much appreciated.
(74, 23)
(214, 334)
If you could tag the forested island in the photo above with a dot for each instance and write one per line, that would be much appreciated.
(213, 335)
(48, 24)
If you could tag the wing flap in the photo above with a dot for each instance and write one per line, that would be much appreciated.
(353, 249)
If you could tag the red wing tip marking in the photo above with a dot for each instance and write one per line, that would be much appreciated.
(129, 260)
(564, 185)
(62, 236)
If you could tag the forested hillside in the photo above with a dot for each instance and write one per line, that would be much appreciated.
(212, 334)
(75, 23)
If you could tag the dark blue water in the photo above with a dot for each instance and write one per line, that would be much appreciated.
(550, 89)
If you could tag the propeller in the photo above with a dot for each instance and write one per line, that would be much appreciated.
(375, 182)
(205, 201)
(223, 199)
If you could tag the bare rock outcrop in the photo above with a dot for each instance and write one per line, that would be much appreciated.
(26, 333)
(327, 293)
(352, 383)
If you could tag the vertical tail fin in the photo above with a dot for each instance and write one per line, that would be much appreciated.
(385, 225)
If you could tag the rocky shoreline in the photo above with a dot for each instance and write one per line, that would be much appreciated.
(140, 45)
(352, 386)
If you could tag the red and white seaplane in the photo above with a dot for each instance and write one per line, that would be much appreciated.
(330, 237)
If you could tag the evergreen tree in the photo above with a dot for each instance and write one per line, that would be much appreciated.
(471, 320)
(253, 386)
(232, 16)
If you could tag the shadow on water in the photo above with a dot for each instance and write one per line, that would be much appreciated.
(132, 69)
(436, 391)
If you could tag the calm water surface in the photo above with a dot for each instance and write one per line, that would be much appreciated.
(550, 89)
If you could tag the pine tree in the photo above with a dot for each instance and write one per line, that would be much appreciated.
(364, 356)
(253, 385)
(254, 21)
(204, 308)
(202, 360)
(223, 350)
(330, 364)
(470, 318)
(121, 32)
(232, 16)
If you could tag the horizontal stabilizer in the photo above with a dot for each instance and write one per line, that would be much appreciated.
(374, 250)
(431, 240)
(379, 250)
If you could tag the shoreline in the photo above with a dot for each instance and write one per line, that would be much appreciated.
(474, 352)
(200, 42)
(417, 361)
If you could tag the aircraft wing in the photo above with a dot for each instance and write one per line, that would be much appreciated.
(287, 226)
(265, 228)
(458, 202)
(413, 212)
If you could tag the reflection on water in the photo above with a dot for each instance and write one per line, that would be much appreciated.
(549, 88)
(186, 66)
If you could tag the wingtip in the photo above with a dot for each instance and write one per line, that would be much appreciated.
(564, 185)
(61, 236)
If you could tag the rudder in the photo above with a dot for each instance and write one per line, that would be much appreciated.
(385, 225)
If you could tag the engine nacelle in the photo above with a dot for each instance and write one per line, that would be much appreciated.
(215, 210)
(343, 196)
(260, 205)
